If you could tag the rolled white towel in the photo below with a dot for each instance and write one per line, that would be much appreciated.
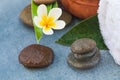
(109, 19)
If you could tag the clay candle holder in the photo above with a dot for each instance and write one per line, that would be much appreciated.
(81, 8)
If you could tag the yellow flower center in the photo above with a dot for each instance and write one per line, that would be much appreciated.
(47, 22)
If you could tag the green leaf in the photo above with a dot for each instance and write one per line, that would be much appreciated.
(55, 5)
(88, 28)
(49, 7)
(34, 8)
(38, 31)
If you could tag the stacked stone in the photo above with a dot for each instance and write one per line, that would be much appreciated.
(84, 54)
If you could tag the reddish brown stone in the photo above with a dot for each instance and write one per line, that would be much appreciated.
(36, 56)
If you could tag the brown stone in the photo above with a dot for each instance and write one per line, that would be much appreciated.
(66, 17)
(44, 1)
(36, 56)
(83, 45)
(26, 16)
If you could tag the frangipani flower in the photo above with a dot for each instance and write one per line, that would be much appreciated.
(48, 21)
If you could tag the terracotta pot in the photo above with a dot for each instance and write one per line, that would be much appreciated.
(81, 8)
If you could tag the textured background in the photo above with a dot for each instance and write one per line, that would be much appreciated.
(14, 36)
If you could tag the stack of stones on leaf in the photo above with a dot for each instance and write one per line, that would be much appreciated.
(84, 54)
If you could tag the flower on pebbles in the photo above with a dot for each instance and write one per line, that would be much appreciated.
(48, 21)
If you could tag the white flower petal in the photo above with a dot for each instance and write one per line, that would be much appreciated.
(60, 24)
(36, 21)
(48, 32)
(42, 10)
(56, 13)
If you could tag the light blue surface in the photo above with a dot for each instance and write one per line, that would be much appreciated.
(14, 36)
